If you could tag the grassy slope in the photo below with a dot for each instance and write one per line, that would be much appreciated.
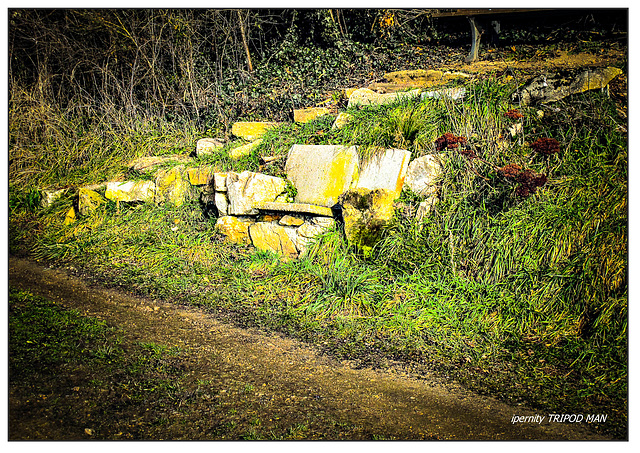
(522, 297)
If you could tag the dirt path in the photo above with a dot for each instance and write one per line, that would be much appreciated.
(290, 379)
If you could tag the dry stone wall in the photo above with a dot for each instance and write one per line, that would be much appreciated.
(329, 181)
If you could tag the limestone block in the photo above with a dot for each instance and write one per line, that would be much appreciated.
(247, 188)
(385, 170)
(236, 229)
(220, 182)
(251, 130)
(206, 146)
(548, 88)
(365, 213)
(455, 94)
(423, 78)
(199, 176)
(364, 96)
(172, 187)
(342, 119)
(244, 150)
(88, 200)
(131, 191)
(222, 203)
(273, 237)
(309, 114)
(321, 173)
(423, 175)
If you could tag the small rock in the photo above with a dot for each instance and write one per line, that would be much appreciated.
(70, 217)
(342, 119)
(289, 220)
(424, 174)
(200, 176)
(365, 213)
(88, 201)
(206, 146)
(244, 150)
(48, 196)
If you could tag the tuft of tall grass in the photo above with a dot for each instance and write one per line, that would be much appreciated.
(54, 146)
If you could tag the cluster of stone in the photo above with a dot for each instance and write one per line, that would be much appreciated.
(286, 215)
(329, 181)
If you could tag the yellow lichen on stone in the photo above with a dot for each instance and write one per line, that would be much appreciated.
(199, 176)
(309, 114)
(236, 229)
(274, 238)
(251, 130)
(70, 217)
(244, 150)
(88, 200)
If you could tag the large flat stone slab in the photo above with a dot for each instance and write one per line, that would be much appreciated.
(131, 191)
(321, 173)
(302, 208)
(364, 96)
(385, 170)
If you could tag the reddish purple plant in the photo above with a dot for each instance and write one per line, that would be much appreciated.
(546, 146)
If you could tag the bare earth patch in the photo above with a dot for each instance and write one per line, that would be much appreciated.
(261, 380)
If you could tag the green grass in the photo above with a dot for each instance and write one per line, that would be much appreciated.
(525, 298)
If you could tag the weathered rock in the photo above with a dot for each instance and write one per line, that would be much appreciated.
(150, 163)
(220, 182)
(247, 188)
(417, 78)
(342, 119)
(455, 94)
(172, 187)
(206, 146)
(251, 130)
(364, 97)
(244, 150)
(222, 203)
(321, 173)
(385, 170)
(200, 176)
(309, 114)
(424, 174)
(49, 196)
(289, 220)
(236, 229)
(310, 230)
(70, 217)
(273, 237)
(88, 201)
(548, 88)
(131, 191)
(365, 213)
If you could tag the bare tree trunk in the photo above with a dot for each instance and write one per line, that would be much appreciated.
(244, 40)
